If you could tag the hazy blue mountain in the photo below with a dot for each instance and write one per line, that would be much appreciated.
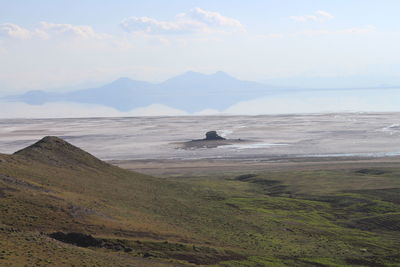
(190, 91)
(193, 91)
(122, 94)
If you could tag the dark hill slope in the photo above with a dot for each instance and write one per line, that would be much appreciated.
(95, 187)
(72, 177)
(55, 151)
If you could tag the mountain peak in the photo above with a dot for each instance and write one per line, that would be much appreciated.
(51, 139)
(126, 83)
(122, 80)
(47, 142)
(197, 77)
(53, 150)
(191, 73)
(199, 74)
(222, 74)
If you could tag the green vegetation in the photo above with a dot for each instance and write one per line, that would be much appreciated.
(348, 217)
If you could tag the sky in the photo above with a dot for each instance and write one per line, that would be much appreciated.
(61, 45)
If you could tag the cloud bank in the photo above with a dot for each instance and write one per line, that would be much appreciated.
(349, 31)
(47, 30)
(196, 20)
(318, 16)
(10, 30)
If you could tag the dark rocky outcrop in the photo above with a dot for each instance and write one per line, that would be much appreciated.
(212, 140)
(371, 171)
(212, 135)
(77, 239)
(83, 240)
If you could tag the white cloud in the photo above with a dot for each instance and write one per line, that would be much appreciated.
(318, 16)
(210, 18)
(11, 30)
(310, 33)
(75, 110)
(48, 30)
(354, 30)
(69, 30)
(324, 14)
(359, 30)
(196, 20)
(150, 25)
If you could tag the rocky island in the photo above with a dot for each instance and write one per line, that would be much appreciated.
(212, 140)
(212, 135)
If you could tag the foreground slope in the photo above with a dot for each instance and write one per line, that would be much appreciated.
(53, 186)
(307, 218)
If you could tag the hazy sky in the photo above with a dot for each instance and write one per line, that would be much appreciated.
(66, 43)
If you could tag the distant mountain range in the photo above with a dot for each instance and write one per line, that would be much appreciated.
(190, 91)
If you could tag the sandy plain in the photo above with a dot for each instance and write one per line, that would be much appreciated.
(154, 144)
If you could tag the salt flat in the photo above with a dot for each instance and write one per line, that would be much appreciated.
(273, 136)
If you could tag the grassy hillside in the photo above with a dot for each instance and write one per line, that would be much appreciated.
(346, 217)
